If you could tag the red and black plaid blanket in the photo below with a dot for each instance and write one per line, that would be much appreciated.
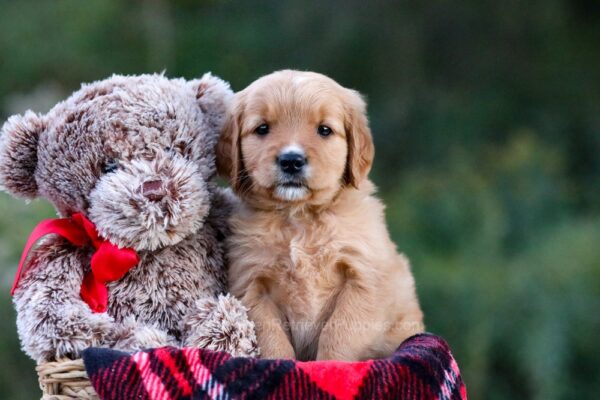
(421, 368)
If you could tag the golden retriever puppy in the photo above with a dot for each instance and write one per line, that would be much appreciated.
(309, 254)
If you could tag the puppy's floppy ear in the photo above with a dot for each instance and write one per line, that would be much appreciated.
(213, 96)
(229, 150)
(360, 142)
(18, 153)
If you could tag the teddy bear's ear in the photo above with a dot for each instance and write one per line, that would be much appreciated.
(213, 95)
(18, 153)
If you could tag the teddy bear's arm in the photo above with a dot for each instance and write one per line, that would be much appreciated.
(52, 320)
(220, 324)
(131, 335)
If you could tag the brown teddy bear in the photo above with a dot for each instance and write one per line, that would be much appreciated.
(136, 261)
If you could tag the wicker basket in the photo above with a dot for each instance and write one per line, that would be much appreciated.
(65, 380)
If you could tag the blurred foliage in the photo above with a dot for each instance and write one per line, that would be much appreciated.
(486, 117)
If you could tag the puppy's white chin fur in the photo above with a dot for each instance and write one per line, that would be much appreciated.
(290, 193)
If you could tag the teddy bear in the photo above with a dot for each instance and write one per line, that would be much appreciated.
(136, 258)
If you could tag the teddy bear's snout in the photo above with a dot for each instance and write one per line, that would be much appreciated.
(153, 190)
(149, 204)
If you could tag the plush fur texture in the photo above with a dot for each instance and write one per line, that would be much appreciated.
(136, 156)
(310, 255)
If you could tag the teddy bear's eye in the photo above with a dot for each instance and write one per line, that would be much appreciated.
(110, 166)
(171, 151)
(180, 148)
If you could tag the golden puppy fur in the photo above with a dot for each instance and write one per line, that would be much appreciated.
(313, 261)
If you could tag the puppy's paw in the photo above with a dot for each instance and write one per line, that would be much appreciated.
(221, 324)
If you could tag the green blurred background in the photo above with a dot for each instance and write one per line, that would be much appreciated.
(486, 117)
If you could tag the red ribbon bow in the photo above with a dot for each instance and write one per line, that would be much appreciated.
(109, 263)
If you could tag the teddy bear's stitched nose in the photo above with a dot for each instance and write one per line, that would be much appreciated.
(152, 190)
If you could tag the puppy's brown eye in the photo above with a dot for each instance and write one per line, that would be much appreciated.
(324, 130)
(262, 129)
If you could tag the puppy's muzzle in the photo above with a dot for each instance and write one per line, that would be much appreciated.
(291, 162)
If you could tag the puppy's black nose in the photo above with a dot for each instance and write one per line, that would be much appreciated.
(291, 162)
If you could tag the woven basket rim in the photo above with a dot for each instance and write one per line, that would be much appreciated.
(65, 379)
